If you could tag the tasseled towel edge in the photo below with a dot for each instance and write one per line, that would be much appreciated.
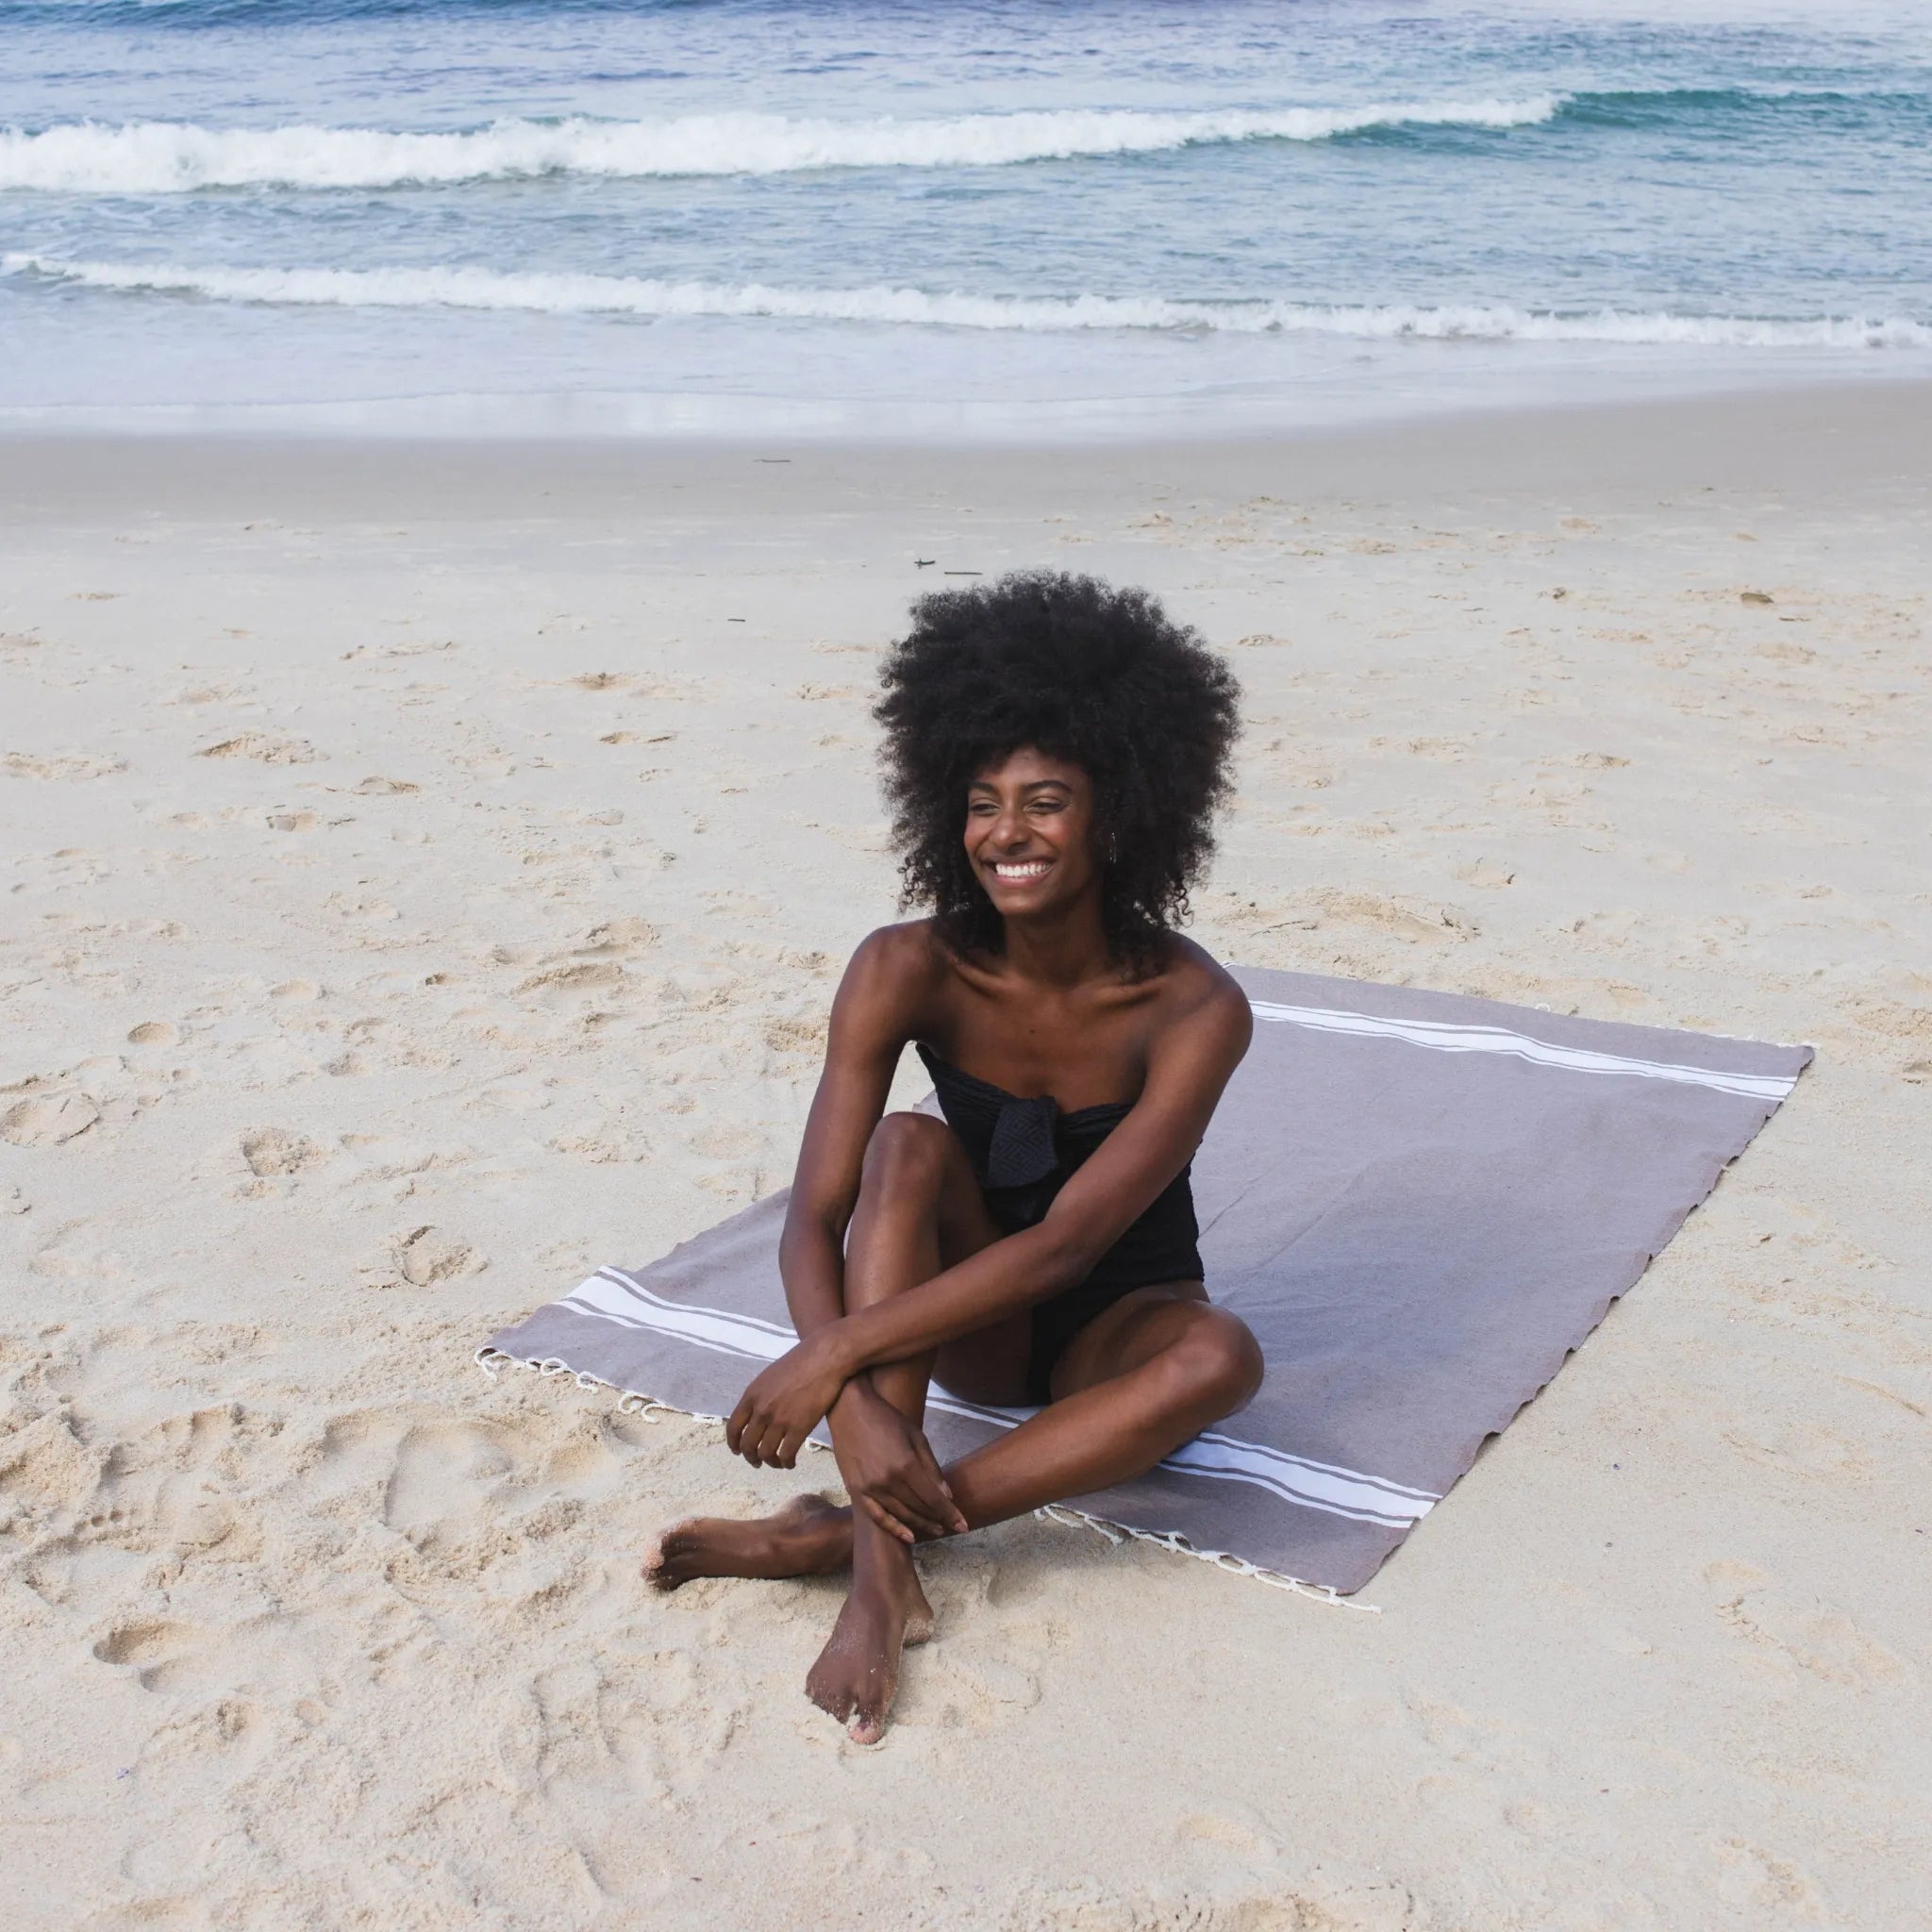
(635, 1402)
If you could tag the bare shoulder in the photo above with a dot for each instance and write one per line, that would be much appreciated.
(910, 950)
(1200, 996)
(898, 967)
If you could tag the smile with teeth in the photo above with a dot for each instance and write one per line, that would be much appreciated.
(1018, 871)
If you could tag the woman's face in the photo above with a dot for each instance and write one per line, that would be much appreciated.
(1030, 832)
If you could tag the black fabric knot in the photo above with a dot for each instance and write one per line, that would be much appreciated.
(1021, 1150)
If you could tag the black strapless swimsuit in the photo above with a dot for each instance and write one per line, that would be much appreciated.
(1023, 1152)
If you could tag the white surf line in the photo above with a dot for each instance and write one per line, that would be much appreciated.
(1448, 1037)
(611, 1295)
(179, 156)
(895, 304)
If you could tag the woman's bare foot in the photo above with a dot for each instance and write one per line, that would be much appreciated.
(857, 1673)
(808, 1537)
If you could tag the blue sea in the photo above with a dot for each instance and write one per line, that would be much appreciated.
(940, 216)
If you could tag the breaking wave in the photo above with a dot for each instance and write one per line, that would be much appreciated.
(588, 295)
(179, 156)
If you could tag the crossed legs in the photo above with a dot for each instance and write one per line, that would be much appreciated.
(1143, 1377)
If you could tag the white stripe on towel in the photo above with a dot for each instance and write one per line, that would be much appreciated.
(611, 1295)
(1447, 1037)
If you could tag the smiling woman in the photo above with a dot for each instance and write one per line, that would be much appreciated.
(1055, 751)
(1099, 678)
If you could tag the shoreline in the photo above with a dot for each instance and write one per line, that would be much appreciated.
(1815, 435)
(1338, 402)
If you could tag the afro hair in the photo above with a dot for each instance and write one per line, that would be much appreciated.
(1080, 671)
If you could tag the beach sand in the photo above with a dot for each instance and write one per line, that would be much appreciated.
(428, 869)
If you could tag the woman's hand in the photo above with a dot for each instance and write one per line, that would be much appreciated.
(784, 1404)
(889, 1470)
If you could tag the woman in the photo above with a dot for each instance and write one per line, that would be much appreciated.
(1054, 753)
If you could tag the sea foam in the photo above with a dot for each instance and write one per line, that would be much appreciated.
(175, 156)
(588, 294)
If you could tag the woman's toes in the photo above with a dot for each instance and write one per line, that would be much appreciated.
(831, 1699)
(656, 1556)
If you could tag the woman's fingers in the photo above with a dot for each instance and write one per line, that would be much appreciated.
(910, 1501)
(918, 1479)
(886, 1520)
(764, 1441)
(752, 1432)
(941, 1490)
(906, 1522)
(892, 1511)
(913, 1511)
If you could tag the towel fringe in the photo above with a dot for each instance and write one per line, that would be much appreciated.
(492, 1362)
(635, 1402)
(1118, 1532)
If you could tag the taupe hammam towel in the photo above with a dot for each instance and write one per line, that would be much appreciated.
(1419, 1202)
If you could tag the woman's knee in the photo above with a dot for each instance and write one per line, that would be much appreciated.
(908, 1151)
(1216, 1362)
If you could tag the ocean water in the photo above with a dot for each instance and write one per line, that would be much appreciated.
(935, 216)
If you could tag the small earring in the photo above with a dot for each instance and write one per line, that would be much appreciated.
(1113, 849)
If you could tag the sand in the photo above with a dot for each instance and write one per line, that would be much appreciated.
(428, 867)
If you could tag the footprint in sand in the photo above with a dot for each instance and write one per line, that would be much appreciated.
(275, 1150)
(48, 1120)
(167, 1490)
(20, 764)
(579, 1734)
(263, 749)
(619, 937)
(212, 694)
(166, 1655)
(445, 1472)
(427, 1255)
(586, 975)
(1763, 1883)
(1818, 1637)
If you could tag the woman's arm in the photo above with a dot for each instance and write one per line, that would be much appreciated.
(887, 1465)
(1189, 1065)
(872, 1020)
